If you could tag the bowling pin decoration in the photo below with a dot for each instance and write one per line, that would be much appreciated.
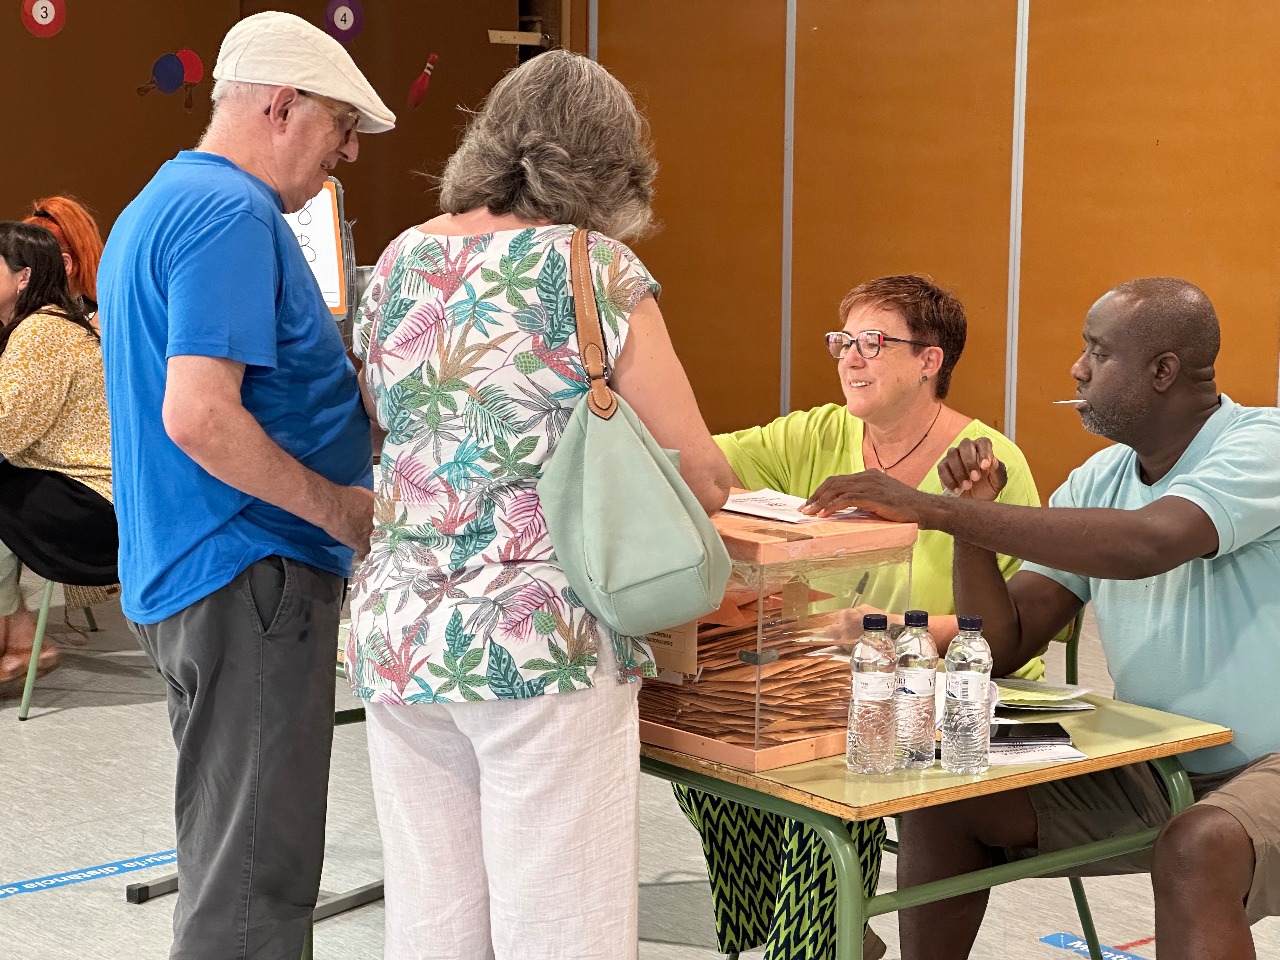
(420, 86)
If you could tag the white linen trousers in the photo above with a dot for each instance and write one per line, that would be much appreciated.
(510, 827)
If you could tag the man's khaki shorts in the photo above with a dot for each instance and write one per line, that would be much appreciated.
(1109, 803)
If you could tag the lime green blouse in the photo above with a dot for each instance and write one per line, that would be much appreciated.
(795, 453)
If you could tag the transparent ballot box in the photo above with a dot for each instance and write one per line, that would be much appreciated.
(763, 681)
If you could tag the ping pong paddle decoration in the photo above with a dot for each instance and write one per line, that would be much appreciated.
(166, 75)
(192, 72)
(344, 19)
(423, 82)
(44, 18)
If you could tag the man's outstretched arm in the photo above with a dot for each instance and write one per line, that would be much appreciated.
(1093, 542)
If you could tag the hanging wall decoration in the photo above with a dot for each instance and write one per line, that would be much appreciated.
(44, 18)
(344, 19)
(166, 75)
(423, 82)
(192, 73)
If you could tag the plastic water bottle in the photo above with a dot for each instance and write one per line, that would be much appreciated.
(966, 721)
(872, 728)
(917, 673)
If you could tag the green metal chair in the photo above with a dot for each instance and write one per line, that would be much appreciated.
(46, 597)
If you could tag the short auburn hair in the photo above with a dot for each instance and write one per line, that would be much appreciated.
(933, 315)
(73, 226)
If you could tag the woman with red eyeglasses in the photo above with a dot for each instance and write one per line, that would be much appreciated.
(899, 341)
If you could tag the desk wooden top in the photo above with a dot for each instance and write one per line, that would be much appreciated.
(1113, 735)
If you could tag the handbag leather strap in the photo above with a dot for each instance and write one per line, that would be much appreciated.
(600, 399)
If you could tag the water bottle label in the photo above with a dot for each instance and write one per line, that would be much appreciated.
(917, 681)
(969, 687)
(872, 686)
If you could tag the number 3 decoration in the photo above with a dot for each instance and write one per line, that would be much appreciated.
(44, 18)
(344, 19)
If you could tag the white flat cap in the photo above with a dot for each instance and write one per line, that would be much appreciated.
(286, 51)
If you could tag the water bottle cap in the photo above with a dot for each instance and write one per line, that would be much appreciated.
(917, 618)
(875, 621)
(970, 623)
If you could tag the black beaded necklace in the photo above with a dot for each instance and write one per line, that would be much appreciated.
(880, 463)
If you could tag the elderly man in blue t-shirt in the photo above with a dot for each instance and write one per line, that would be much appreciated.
(241, 457)
(1174, 535)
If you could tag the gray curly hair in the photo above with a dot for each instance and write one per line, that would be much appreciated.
(558, 139)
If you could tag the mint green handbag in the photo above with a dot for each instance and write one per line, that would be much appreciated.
(632, 539)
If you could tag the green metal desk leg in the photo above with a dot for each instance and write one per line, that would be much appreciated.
(41, 622)
(851, 905)
(306, 943)
(1086, 919)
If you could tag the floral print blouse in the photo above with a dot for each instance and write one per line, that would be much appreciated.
(471, 356)
(53, 404)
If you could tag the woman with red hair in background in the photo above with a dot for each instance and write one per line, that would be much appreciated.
(80, 241)
(56, 515)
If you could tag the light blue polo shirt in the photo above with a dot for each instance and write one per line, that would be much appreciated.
(202, 263)
(1202, 640)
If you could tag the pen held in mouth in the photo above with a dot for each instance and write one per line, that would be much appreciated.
(1068, 401)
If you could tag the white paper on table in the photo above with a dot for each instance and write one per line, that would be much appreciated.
(1007, 754)
(1038, 690)
(775, 505)
(1057, 706)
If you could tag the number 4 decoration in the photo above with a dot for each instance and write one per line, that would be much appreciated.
(44, 18)
(344, 19)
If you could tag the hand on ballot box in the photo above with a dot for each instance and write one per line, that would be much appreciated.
(872, 491)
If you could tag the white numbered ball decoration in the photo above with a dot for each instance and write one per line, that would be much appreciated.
(44, 18)
(344, 19)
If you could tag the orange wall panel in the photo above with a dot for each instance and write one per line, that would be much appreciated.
(710, 78)
(1152, 144)
(904, 119)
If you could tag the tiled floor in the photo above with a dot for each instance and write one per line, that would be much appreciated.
(87, 781)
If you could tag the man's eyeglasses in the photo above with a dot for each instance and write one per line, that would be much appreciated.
(346, 118)
(868, 343)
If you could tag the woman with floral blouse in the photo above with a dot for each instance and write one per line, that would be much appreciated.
(503, 732)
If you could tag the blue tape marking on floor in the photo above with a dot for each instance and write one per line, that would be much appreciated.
(87, 873)
(1069, 941)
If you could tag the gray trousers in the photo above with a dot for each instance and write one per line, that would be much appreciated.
(251, 673)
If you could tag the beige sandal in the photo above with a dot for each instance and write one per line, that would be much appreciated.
(14, 664)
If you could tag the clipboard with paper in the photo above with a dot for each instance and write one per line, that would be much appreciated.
(324, 234)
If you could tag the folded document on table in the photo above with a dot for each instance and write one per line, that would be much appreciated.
(1018, 694)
